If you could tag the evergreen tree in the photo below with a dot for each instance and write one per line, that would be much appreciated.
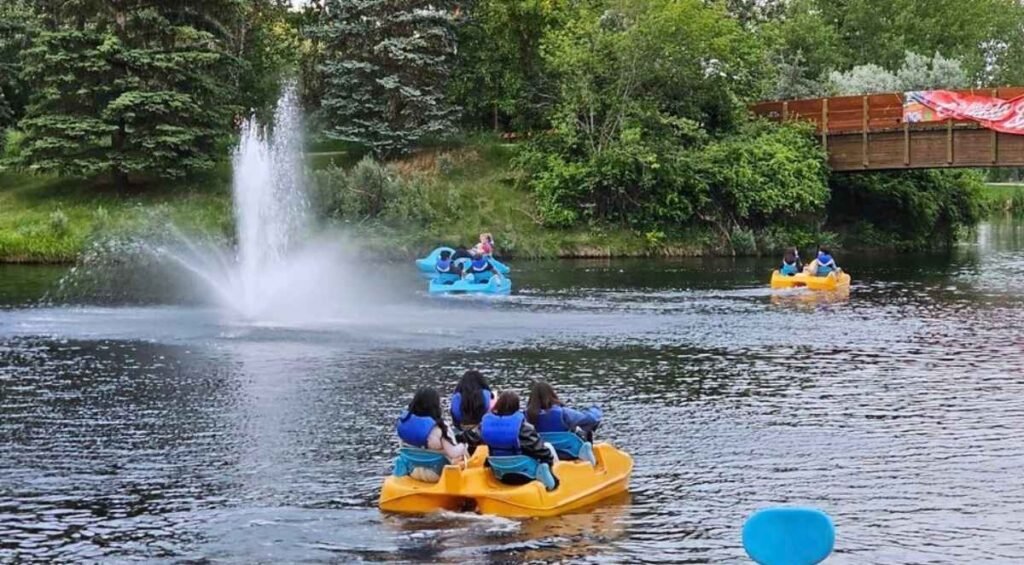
(16, 19)
(128, 87)
(386, 66)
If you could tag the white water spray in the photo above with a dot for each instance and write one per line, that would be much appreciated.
(280, 271)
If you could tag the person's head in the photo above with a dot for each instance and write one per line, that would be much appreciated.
(470, 388)
(508, 404)
(445, 255)
(427, 402)
(542, 397)
(790, 255)
(823, 250)
(485, 237)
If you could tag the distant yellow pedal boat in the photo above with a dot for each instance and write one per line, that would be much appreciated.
(832, 281)
(582, 484)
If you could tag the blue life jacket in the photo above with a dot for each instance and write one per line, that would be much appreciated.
(480, 265)
(788, 269)
(457, 405)
(501, 433)
(825, 264)
(550, 420)
(443, 266)
(415, 430)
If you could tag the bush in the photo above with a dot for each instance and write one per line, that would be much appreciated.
(907, 209)
(355, 195)
(58, 222)
(767, 175)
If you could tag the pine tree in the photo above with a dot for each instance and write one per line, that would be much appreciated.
(128, 87)
(16, 19)
(387, 63)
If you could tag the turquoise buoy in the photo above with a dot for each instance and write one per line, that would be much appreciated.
(789, 536)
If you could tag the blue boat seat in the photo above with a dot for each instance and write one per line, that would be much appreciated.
(410, 458)
(570, 446)
(446, 278)
(525, 466)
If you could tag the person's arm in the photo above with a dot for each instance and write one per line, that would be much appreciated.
(437, 442)
(587, 419)
(531, 444)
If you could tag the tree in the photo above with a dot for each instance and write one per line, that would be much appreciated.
(16, 22)
(128, 87)
(386, 68)
(499, 78)
(916, 73)
(268, 47)
(983, 34)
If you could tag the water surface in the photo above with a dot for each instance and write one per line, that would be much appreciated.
(160, 430)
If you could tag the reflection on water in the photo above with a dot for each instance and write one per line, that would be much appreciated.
(160, 433)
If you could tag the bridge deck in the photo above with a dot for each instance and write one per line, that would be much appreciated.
(864, 133)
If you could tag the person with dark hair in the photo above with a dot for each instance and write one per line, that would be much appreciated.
(422, 426)
(446, 264)
(547, 413)
(480, 264)
(470, 401)
(791, 264)
(823, 264)
(506, 432)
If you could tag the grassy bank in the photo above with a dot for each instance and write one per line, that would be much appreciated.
(51, 220)
(441, 194)
(469, 188)
(1004, 198)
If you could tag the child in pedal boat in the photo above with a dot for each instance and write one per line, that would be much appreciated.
(422, 426)
(470, 401)
(823, 264)
(791, 263)
(547, 413)
(506, 432)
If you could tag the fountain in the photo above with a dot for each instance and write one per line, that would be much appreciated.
(280, 270)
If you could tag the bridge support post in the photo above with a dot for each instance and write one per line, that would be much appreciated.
(824, 123)
(949, 142)
(995, 134)
(864, 134)
(906, 143)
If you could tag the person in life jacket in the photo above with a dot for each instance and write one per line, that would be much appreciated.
(481, 264)
(547, 413)
(506, 432)
(470, 401)
(446, 265)
(791, 263)
(421, 426)
(825, 264)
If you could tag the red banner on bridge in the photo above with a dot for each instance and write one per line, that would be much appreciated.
(993, 113)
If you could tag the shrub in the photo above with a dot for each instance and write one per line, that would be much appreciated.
(58, 222)
(907, 209)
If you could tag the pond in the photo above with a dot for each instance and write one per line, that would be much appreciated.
(157, 429)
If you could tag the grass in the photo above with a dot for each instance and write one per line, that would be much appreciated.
(1004, 198)
(475, 183)
(51, 220)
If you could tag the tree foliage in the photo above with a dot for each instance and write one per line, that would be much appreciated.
(385, 71)
(907, 209)
(128, 87)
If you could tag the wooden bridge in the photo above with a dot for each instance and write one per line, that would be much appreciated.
(868, 133)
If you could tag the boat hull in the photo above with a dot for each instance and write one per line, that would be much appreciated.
(833, 281)
(581, 485)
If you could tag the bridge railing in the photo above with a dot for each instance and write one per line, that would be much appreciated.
(857, 114)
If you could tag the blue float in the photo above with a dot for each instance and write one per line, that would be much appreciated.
(789, 536)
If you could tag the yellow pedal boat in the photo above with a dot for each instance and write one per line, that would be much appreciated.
(580, 485)
(832, 281)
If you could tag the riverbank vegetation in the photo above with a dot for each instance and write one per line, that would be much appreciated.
(599, 127)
